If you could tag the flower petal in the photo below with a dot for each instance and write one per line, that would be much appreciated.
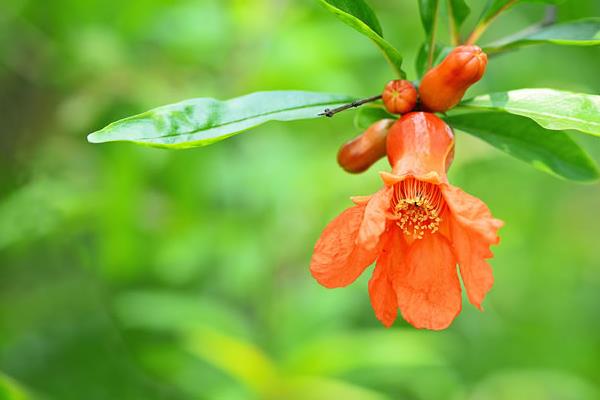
(427, 285)
(472, 213)
(374, 221)
(381, 289)
(337, 260)
(472, 230)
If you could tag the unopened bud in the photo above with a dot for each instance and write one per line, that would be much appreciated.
(444, 86)
(399, 96)
(364, 150)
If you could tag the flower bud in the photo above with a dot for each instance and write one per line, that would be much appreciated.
(419, 143)
(444, 86)
(399, 96)
(364, 150)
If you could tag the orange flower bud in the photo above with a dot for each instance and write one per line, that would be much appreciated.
(364, 150)
(399, 96)
(420, 143)
(444, 86)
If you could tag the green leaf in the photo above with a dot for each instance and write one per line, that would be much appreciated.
(459, 11)
(552, 109)
(358, 15)
(495, 7)
(367, 116)
(358, 9)
(585, 32)
(200, 122)
(429, 12)
(550, 151)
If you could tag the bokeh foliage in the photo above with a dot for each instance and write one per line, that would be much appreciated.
(137, 273)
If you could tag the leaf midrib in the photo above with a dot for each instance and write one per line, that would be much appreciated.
(235, 121)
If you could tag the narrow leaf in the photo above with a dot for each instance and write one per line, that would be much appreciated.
(585, 32)
(459, 11)
(429, 9)
(429, 15)
(552, 109)
(358, 9)
(495, 7)
(199, 122)
(358, 15)
(550, 151)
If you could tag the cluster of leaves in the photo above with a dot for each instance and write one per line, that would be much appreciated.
(529, 124)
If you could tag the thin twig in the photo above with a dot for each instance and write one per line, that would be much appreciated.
(550, 16)
(357, 103)
(549, 19)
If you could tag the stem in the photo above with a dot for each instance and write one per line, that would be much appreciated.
(549, 19)
(432, 37)
(483, 25)
(357, 103)
(549, 16)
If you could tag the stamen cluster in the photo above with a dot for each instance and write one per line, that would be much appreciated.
(417, 207)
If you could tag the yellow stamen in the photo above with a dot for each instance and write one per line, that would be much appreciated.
(417, 207)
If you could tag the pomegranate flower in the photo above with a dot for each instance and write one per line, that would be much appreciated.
(417, 228)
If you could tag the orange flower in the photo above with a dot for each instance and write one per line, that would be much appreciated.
(418, 227)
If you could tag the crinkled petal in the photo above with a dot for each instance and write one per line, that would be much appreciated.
(381, 289)
(472, 213)
(337, 260)
(472, 231)
(374, 221)
(427, 285)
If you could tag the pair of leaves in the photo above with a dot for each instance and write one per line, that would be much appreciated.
(358, 15)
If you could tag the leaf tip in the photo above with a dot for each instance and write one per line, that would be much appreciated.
(95, 137)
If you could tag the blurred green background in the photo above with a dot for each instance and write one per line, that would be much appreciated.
(135, 273)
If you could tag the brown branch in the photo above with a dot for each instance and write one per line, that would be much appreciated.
(357, 103)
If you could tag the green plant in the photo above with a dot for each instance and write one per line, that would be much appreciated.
(529, 124)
